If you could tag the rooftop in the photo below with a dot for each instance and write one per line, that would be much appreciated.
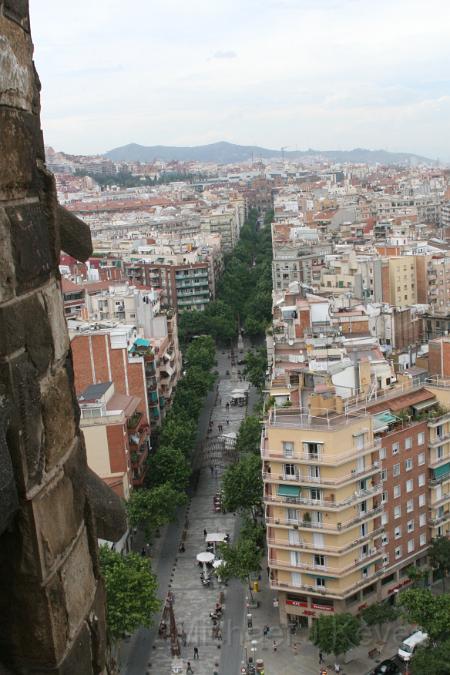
(94, 392)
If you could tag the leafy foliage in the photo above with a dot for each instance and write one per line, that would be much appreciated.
(249, 435)
(439, 556)
(243, 486)
(336, 634)
(170, 466)
(379, 613)
(433, 659)
(131, 592)
(431, 612)
(256, 366)
(151, 509)
(241, 560)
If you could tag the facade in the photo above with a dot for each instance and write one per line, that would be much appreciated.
(400, 281)
(73, 299)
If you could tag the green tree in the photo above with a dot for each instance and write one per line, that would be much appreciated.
(249, 435)
(151, 509)
(439, 557)
(240, 561)
(434, 659)
(256, 366)
(253, 531)
(201, 353)
(179, 432)
(379, 613)
(336, 634)
(431, 612)
(169, 465)
(418, 575)
(131, 593)
(242, 485)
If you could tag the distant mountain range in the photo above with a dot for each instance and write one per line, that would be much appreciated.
(229, 153)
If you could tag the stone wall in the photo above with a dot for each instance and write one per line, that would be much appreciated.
(52, 605)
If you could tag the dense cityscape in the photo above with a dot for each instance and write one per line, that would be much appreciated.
(224, 369)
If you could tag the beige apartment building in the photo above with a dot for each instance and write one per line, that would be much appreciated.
(399, 281)
(340, 535)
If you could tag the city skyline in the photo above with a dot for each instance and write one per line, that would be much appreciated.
(328, 74)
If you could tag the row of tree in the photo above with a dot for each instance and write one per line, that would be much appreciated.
(337, 634)
(131, 586)
(126, 179)
(244, 294)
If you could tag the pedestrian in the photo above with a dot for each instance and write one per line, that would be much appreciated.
(143, 552)
(196, 656)
(228, 421)
(266, 630)
(211, 468)
(219, 633)
(189, 670)
(268, 571)
(205, 533)
(320, 658)
(337, 668)
(184, 637)
(275, 646)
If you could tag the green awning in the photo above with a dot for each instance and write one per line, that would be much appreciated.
(424, 405)
(441, 470)
(288, 490)
(320, 576)
(382, 420)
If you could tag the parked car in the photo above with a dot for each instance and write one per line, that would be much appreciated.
(387, 667)
(406, 649)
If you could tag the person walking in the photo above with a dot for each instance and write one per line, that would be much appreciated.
(211, 469)
(189, 670)
(320, 658)
(196, 656)
(275, 646)
(205, 533)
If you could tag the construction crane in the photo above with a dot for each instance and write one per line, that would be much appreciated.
(285, 147)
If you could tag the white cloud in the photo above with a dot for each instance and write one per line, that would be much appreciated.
(311, 73)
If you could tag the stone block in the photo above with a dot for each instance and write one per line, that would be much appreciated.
(79, 584)
(17, 10)
(7, 273)
(16, 74)
(21, 143)
(8, 493)
(33, 250)
(58, 521)
(25, 431)
(55, 312)
(58, 419)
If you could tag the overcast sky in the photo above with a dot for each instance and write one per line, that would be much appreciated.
(327, 74)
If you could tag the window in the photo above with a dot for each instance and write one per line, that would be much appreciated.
(313, 450)
(421, 458)
(320, 582)
(397, 491)
(292, 515)
(408, 465)
(410, 545)
(422, 539)
(408, 443)
(288, 449)
(398, 532)
(409, 485)
(384, 518)
(422, 519)
(289, 471)
(364, 530)
(398, 552)
(319, 561)
(421, 500)
(316, 494)
(421, 438)
(384, 497)
(396, 470)
(397, 511)
(384, 539)
(314, 471)
(363, 507)
(395, 448)
(439, 452)
(359, 441)
(382, 453)
(410, 525)
(383, 475)
(421, 480)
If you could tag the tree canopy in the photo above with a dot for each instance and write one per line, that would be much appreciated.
(169, 465)
(241, 560)
(379, 613)
(431, 612)
(131, 592)
(439, 556)
(243, 486)
(151, 509)
(336, 634)
(433, 659)
(249, 435)
(256, 366)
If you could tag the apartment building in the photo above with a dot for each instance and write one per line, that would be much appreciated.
(74, 298)
(116, 436)
(353, 496)
(399, 280)
(298, 255)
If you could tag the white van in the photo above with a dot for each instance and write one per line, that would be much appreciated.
(406, 649)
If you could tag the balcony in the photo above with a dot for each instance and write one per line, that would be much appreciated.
(326, 569)
(134, 420)
(326, 503)
(438, 520)
(320, 457)
(282, 586)
(440, 474)
(330, 527)
(442, 500)
(336, 550)
(299, 418)
(314, 480)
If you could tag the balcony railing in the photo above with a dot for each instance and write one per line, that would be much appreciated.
(326, 548)
(332, 527)
(327, 592)
(326, 503)
(300, 418)
(438, 520)
(320, 457)
(314, 480)
(327, 569)
(442, 499)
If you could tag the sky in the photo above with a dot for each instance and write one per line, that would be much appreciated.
(324, 74)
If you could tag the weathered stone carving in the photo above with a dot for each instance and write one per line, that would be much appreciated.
(52, 604)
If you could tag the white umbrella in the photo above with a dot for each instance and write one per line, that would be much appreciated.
(218, 563)
(205, 557)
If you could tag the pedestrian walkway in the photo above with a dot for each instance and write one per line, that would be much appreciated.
(180, 573)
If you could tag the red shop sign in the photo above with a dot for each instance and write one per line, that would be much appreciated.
(324, 608)
(296, 603)
(308, 612)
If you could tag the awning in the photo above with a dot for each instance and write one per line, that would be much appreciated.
(382, 420)
(424, 405)
(320, 576)
(289, 490)
(441, 470)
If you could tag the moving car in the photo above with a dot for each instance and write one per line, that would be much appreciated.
(406, 649)
(387, 667)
